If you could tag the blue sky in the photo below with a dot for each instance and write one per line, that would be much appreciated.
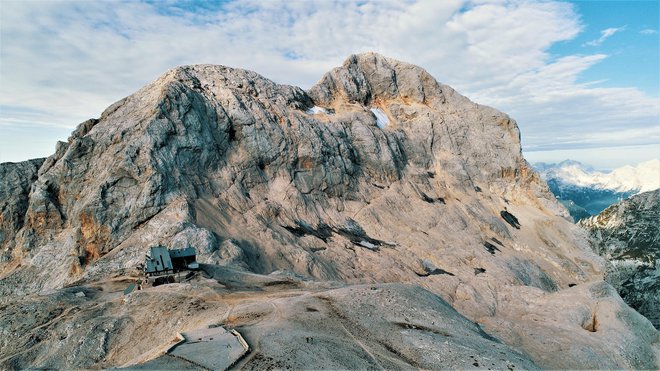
(581, 78)
(633, 52)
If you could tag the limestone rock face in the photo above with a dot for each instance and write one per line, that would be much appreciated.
(627, 234)
(16, 180)
(375, 174)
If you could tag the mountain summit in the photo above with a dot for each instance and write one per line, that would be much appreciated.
(378, 174)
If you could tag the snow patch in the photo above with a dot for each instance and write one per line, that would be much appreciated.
(368, 245)
(381, 117)
(316, 110)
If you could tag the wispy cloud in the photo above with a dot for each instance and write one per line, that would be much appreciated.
(604, 35)
(648, 31)
(67, 61)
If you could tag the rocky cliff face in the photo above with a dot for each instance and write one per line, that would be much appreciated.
(15, 182)
(627, 234)
(377, 174)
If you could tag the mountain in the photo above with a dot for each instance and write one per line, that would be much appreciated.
(580, 188)
(641, 178)
(627, 234)
(568, 164)
(377, 220)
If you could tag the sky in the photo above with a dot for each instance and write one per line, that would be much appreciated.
(581, 78)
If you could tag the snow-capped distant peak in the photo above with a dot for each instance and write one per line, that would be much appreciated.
(577, 164)
(641, 178)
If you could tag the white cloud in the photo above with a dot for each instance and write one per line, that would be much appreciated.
(648, 31)
(555, 111)
(601, 158)
(63, 62)
(604, 35)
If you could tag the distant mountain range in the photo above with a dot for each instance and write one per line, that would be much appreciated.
(585, 191)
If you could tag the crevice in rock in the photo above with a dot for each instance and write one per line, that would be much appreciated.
(591, 324)
(435, 271)
(351, 231)
(231, 133)
(491, 248)
(426, 198)
(322, 231)
(411, 326)
(431, 200)
(497, 241)
(430, 269)
(400, 355)
(354, 233)
(510, 218)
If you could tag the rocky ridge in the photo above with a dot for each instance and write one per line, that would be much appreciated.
(627, 234)
(270, 179)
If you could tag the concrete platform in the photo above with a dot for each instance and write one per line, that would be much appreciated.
(213, 348)
(210, 348)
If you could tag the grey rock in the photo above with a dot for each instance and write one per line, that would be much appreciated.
(627, 234)
(16, 180)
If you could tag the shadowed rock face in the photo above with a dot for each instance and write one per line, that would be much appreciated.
(15, 182)
(246, 171)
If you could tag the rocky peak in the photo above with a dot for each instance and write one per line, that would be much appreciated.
(370, 77)
(445, 129)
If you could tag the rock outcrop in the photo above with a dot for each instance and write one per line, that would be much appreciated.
(627, 234)
(373, 175)
(15, 182)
